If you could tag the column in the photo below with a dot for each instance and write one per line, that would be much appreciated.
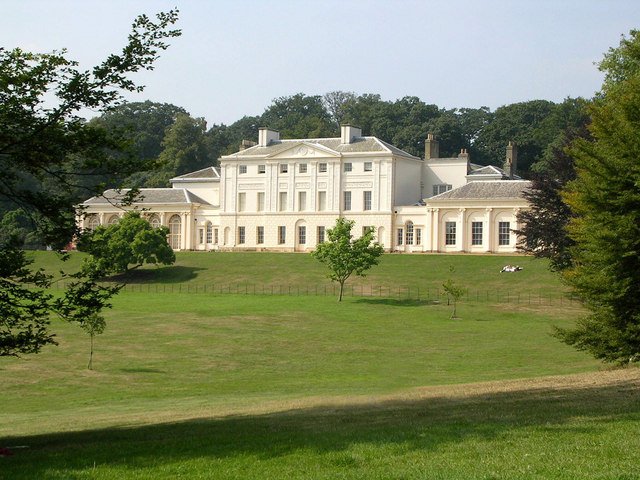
(488, 240)
(463, 230)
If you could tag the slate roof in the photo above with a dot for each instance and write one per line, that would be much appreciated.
(209, 173)
(498, 189)
(359, 145)
(148, 196)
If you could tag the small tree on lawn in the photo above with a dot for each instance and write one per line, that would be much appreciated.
(454, 293)
(126, 245)
(345, 256)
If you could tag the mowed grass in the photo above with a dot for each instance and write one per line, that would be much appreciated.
(277, 386)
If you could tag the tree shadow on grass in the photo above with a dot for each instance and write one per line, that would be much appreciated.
(326, 433)
(394, 302)
(165, 274)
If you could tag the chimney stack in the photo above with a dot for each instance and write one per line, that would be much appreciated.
(431, 147)
(511, 160)
(266, 136)
(348, 133)
(463, 154)
(247, 144)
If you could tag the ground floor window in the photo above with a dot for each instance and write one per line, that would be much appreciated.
(476, 233)
(241, 235)
(154, 221)
(215, 236)
(209, 232)
(320, 234)
(418, 236)
(400, 236)
(200, 235)
(450, 233)
(504, 233)
(282, 234)
(93, 222)
(259, 235)
(175, 232)
(409, 234)
(302, 235)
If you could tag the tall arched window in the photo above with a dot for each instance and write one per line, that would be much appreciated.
(154, 221)
(93, 222)
(113, 219)
(409, 234)
(175, 232)
(209, 232)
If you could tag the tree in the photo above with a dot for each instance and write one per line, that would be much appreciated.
(130, 241)
(544, 231)
(299, 116)
(454, 293)
(41, 135)
(345, 256)
(605, 202)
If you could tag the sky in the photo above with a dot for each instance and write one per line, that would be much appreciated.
(235, 56)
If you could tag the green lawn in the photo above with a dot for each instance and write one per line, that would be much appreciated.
(278, 386)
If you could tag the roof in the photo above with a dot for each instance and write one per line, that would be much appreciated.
(490, 170)
(147, 196)
(498, 189)
(206, 174)
(359, 145)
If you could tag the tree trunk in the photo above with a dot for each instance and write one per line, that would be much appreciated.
(341, 289)
(90, 366)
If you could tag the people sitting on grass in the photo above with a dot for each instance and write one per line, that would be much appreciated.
(511, 268)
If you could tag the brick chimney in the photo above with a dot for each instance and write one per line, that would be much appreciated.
(431, 147)
(266, 136)
(511, 160)
(348, 133)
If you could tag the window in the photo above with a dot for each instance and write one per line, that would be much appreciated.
(450, 233)
(93, 222)
(302, 168)
(348, 167)
(504, 233)
(154, 221)
(302, 235)
(347, 201)
(175, 232)
(441, 188)
(322, 201)
(367, 228)
(200, 235)
(322, 168)
(242, 201)
(242, 169)
(284, 168)
(259, 235)
(400, 236)
(302, 201)
(241, 236)
(209, 232)
(282, 198)
(262, 168)
(366, 200)
(418, 236)
(409, 234)
(260, 202)
(476, 233)
(320, 234)
(113, 219)
(282, 235)
(215, 236)
(368, 166)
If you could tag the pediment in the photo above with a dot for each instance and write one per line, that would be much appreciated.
(305, 150)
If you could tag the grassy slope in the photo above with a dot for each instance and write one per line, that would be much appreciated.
(234, 386)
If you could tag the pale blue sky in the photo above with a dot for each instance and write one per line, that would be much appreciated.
(236, 56)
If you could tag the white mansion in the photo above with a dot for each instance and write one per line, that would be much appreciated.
(282, 195)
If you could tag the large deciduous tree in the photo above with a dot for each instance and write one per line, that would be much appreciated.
(127, 244)
(605, 201)
(346, 256)
(41, 134)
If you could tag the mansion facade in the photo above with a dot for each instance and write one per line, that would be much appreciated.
(283, 195)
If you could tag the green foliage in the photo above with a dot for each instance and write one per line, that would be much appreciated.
(299, 116)
(345, 256)
(24, 303)
(605, 201)
(130, 241)
(454, 292)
